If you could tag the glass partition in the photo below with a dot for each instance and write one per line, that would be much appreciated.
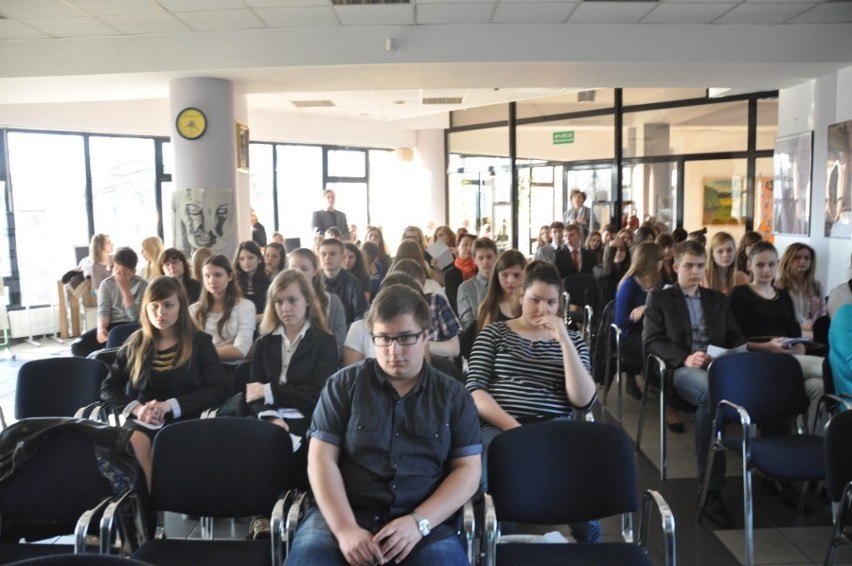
(715, 196)
(705, 128)
(650, 189)
(767, 123)
(575, 101)
(299, 190)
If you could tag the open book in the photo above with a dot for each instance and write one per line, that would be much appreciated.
(717, 351)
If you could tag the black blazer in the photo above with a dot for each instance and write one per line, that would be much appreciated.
(565, 264)
(667, 330)
(314, 360)
(198, 384)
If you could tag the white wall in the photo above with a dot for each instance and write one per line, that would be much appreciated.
(814, 106)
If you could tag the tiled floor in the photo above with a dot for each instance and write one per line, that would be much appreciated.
(781, 536)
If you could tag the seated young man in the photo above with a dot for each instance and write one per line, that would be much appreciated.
(472, 291)
(680, 323)
(119, 298)
(383, 492)
(339, 281)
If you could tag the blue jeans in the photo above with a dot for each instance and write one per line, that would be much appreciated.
(315, 545)
(587, 531)
(691, 385)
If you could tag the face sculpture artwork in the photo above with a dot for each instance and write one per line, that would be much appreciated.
(203, 218)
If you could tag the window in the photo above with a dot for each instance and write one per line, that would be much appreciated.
(48, 178)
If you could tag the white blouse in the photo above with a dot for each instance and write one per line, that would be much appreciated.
(238, 331)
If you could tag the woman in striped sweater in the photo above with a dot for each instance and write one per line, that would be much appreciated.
(531, 368)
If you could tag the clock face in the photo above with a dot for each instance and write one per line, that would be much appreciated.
(191, 123)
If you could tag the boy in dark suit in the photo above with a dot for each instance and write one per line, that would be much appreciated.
(680, 323)
(572, 258)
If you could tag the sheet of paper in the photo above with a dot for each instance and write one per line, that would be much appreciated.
(717, 351)
(441, 254)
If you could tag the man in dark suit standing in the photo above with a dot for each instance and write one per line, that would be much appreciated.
(680, 323)
(330, 217)
(572, 259)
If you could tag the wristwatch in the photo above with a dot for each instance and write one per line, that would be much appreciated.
(422, 524)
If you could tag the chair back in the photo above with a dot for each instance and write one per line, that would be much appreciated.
(223, 467)
(820, 329)
(81, 560)
(770, 386)
(47, 492)
(119, 334)
(576, 286)
(838, 457)
(604, 345)
(562, 471)
(57, 387)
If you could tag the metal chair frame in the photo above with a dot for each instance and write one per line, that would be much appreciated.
(651, 362)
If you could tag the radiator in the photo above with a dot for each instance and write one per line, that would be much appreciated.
(37, 321)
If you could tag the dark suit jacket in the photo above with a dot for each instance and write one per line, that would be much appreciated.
(314, 360)
(667, 330)
(565, 264)
(322, 220)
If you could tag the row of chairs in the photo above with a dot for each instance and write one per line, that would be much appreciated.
(234, 467)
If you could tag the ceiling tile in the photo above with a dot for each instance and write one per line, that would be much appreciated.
(10, 29)
(462, 13)
(286, 3)
(826, 13)
(687, 13)
(763, 13)
(385, 15)
(219, 20)
(117, 7)
(37, 9)
(200, 5)
(72, 27)
(298, 17)
(532, 12)
(146, 24)
(610, 12)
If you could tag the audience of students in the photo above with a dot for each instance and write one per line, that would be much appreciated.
(304, 260)
(721, 272)
(251, 275)
(501, 300)
(274, 259)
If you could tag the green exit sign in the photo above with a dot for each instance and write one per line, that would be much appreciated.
(563, 137)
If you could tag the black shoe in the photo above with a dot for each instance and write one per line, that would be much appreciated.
(715, 510)
(632, 388)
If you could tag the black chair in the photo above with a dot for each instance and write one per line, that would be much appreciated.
(576, 286)
(81, 560)
(118, 335)
(838, 478)
(755, 388)
(224, 467)
(241, 376)
(820, 329)
(560, 472)
(58, 387)
(57, 490)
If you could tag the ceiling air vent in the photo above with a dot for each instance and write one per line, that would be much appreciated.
(368, 2)
(442, 100)
(311, 103)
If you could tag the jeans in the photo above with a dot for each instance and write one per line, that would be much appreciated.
(315, 545)
(586, 531)
(692, 386)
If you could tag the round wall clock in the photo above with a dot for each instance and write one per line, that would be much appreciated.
(191, 123)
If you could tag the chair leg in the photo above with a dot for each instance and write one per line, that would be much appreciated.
(748, 513)
(641, 427)
(663, 430)
(705, 487)
(837, 537)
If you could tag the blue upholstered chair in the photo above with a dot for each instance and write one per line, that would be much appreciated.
(754, 388)
(561, 472)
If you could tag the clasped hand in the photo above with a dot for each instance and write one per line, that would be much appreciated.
(393, 543)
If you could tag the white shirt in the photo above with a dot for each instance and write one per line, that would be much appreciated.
(287, 350)
(238, 331)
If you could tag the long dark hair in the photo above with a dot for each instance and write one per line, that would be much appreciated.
(358, 270)
(489, 310)
(259, 281)
(141, 346)
(206, 299)
(173, 253)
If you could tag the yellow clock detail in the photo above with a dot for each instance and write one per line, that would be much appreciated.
(191, 123)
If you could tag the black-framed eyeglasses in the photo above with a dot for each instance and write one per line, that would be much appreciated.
(384, 341)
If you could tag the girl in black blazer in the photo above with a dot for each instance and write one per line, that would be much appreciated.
(293, 357)
(165, 371)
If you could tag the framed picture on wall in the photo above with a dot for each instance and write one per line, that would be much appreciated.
(242, 147)
(792, 163)
(838, 182)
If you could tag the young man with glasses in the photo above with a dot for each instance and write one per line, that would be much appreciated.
(394, 451)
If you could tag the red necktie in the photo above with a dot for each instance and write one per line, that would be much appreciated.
(575, 255)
